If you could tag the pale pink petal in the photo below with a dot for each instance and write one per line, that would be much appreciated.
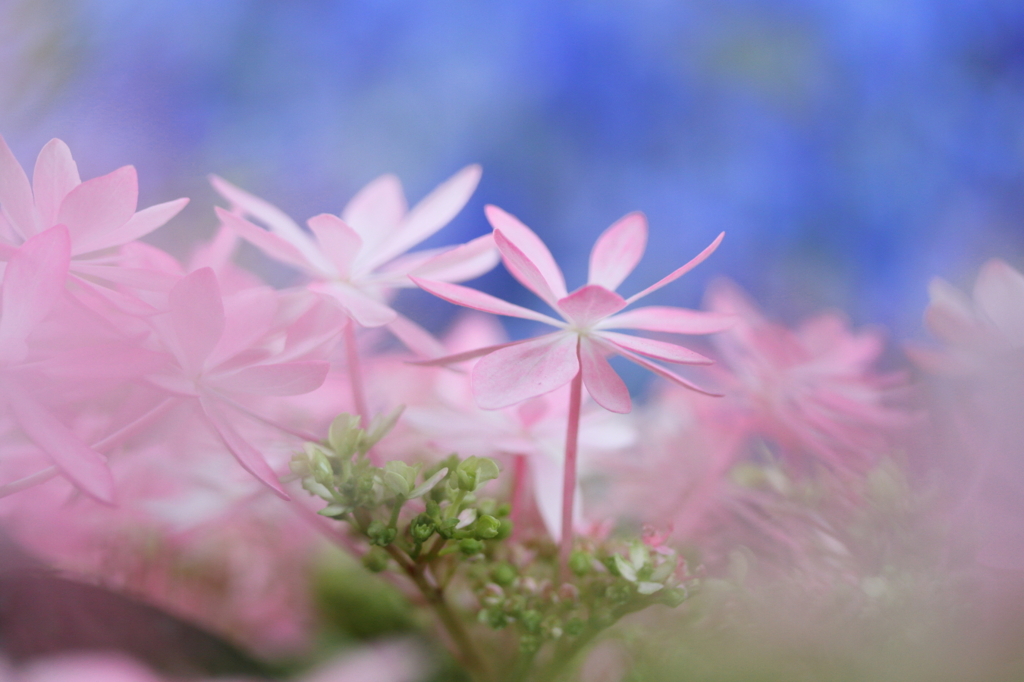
(659, 350)
(456, 358)
(250, 459)
(136, 278)
(100, 205)
(428, 216)
(138, 226)
(85, 467)
(590, 304)
(618, 250)
(670, 319)
(33, 281)
(531, 245)
(999, 292)
(663, 372)
(376, 211)
(546, 474)
(526, 370)
(283, 378)
(416, 338)
(197, 317)
(603, 383)
(950, 316)
(697, 260)
(16, 193)
(55, 175)
(524, 270)
(367, 311)
(466, 261)
(338, 241)
(268, 242)
(478, 300)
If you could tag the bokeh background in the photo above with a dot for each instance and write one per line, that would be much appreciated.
(851, 149)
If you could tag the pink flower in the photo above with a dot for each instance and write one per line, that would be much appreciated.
(357, 258)
(510, 373)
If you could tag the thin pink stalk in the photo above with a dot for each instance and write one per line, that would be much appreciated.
(518, 489)
(569, 480)
(355, 374)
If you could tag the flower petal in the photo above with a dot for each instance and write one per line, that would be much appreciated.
(466, 261)
(670, 319)
(250, 458)
(428, 216)
(376, 211)
(416, 338)
(139, 225)
(603, 383)
(367, 311)
(267, 242)
(999, 292)
(197, 318)
(33, 281)
(526, 370)
(55, 175)
(590, 304)
(463, 356)
(531, 245)
(85, 467)
(663, 372)
(546, 474)
(659, 350)
(524, 270)
(283, 378)
(16, 193)
(694, 262)
(478, 300)
(101, 205)
(338, 241)
(618, 250)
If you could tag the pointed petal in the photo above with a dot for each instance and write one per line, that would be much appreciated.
(16, 193)
(662, 372)
(547, 475)
(428, 216)
(999, 292)
(416, 338)
(367, 311)
(267, 242)
(85, 467)
(456, 358)
(618, 250)
(197, 317)
(603, 383)
(659, 350)
(100, 205)
(694, 262)
(136, 278)
(478, 300)
(524, 270)
(55, 175)
(526, 370)
(283, 378)
(376, 211)
(950, 316)
(670, 319)
(590, 304)
(338, 241)
(531, 245)
(271, 216)
(138, 226)
(33, 281)
(250, 458)
(466, 261)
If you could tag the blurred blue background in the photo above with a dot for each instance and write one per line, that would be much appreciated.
(851, 149)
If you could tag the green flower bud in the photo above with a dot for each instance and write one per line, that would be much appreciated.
(376, 560)
(473, 472)
(531, 620)
(446, 528)
(400, 478)
(574, 627)
(504, 529)
(344, 435)
(673, 596)
(504, 574)
(503, 510)
(486, 527)
(580, 563)
(380, 534)
(470, 546)
(422, 527)
(433, 509)
(379, 427)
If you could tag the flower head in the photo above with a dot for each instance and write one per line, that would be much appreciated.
(513, 372)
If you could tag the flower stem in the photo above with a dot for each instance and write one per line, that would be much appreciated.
(518, 490)
(355, 374)
(569, 480)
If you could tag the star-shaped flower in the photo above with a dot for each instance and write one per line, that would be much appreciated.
(513, 372)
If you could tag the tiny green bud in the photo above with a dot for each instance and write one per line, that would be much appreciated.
(422, 527)
(673, 596)
(473, 472)
(580, 563)
(487, 527)
(574, 627)
(531, 620)
(376, 560)
(470, 546)
(503, 510)
(380, 534)
(344, 435)
(379, 427)
(504, 574)
(433, 509)
(504, 529)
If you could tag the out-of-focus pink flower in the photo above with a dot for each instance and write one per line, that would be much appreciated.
(510, 373)
(357, 258)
